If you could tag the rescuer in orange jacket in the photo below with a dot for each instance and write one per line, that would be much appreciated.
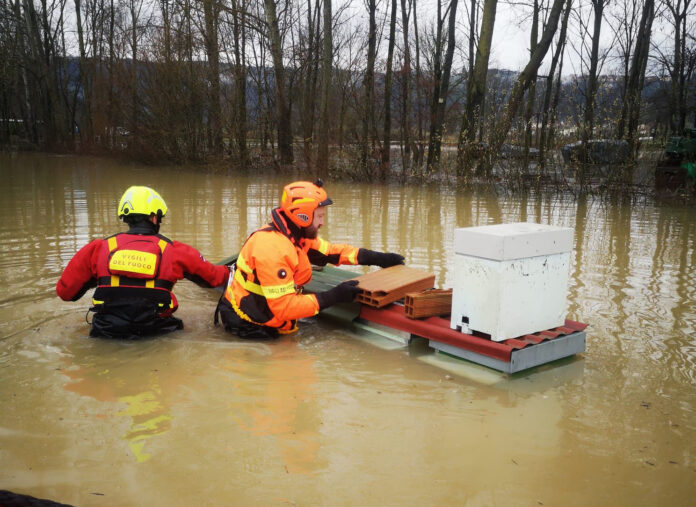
(263, 297)
(135, 272)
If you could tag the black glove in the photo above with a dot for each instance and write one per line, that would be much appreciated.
(381, 259)
(344, 292)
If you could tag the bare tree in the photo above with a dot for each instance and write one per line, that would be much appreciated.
(623, 19)
(369, 85)
(406, 138)
(476, 88)
(679, 11)
(636, 77)
(326, 62)
(441, 84)
(502, 126)
(531, 92)
(386, 145)
(548, 112)
(211, 11)
(591, 91)
(283, 110)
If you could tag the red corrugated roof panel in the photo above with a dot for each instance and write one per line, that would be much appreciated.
(438, 329)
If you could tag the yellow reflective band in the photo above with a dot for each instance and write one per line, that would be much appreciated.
(271, 292)
(115, 280)
(112, 243)
(248, 286)
(150, 284)
(352, 257)
(241, 264)
(239, 312)
(133, 261)
(323, 246)
(314, 300)
(277, 291)
(162, 245)
(97, 302)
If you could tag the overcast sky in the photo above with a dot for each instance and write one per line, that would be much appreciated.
(510, 47)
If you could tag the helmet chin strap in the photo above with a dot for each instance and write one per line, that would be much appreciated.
(285, 226)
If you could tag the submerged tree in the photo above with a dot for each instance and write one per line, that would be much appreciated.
(502, 126)
(326, 61)
(476, 90)
(282, 104)
(441, 83)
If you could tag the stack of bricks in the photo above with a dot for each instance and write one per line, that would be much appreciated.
(429, 303)
(385, 286)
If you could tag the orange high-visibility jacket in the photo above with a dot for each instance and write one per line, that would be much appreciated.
(271, 266)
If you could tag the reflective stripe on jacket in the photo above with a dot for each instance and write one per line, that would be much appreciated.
(135, 261)
(94, 265)
(270, 267)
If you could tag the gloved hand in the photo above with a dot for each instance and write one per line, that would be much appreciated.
(344, 292)
(384, 260)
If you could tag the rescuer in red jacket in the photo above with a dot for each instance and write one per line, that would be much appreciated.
(135, 271)
(263, 297)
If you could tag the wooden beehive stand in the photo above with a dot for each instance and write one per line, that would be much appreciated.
(385, 286)
(428, 303)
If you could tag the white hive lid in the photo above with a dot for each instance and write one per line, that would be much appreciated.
(512, 241)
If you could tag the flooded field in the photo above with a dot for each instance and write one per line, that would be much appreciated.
(325, 416)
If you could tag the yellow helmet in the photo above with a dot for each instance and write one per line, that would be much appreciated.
(141, 201)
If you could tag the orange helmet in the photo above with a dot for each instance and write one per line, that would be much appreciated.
(301, 198)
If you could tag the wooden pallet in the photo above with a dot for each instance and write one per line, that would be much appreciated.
(391, 284)
(428, 303)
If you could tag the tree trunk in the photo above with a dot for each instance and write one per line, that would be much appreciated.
(240, 76)
(502, 126)
(134, 70)
(440, 95)
(437, 78)
(326, 61)
(111, 106)
(86, 132)
(472, 37)
(386, 145)
(211, 13)
(556, 100)
(418, 157)
(682, 70)
(531, 93)
(634, 87)
(476, 89)
(283, 111)
(546, 115)
(369, 84)
(406, 90)
(591, 91)
(309, 89)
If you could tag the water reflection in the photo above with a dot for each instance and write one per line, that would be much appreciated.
(144, 400)
(274, 398)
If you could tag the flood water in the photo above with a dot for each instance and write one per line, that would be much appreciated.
(326, 417)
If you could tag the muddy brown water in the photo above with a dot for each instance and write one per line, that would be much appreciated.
(326, 417)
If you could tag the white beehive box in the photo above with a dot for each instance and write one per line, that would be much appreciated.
(510, 279)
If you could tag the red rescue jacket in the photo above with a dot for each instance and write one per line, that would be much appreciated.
(131, 262)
